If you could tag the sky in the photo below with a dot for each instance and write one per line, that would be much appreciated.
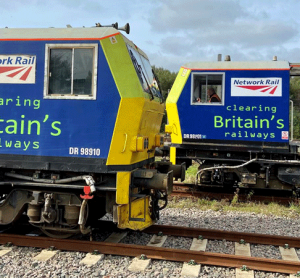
(175, 32)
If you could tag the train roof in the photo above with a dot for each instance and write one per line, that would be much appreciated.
(246, 65)
(57, 33)
(93, 33)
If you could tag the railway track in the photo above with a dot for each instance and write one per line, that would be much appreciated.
(153, 251)
(212, 193)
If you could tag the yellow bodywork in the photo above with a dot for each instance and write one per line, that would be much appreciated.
(173, 155)
(138, 115)
(136, 128)
(130, 208)
(139, 211)
(138, 119)
(123, 182)
(174, 127)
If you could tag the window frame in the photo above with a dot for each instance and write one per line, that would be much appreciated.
(147, 75)
(222, 103)
(48, 47)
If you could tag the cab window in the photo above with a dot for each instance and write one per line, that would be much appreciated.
(207, 89)
(144, 71)
(71, 71)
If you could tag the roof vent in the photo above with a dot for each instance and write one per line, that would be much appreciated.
(227, 58)
(274, 58)
(114, 25)
(125, 28)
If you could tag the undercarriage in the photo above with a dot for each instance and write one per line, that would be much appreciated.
(232, 168)
(62, 204)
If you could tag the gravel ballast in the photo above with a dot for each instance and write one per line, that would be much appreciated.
(20, 263)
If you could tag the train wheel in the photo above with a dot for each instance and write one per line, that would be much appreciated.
(58, 234)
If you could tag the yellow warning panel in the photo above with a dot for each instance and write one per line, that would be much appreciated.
(136, 215)
(123, 184)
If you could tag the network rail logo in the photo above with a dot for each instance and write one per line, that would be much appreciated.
(256, 87)
(17, 69)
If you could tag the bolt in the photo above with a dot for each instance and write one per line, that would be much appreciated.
(192, 262)
(200, 237)
(51, 248)
(95, 252)
(8, 244)
(160, 234)
(143, 257)
(286, 246)
(242, 241)
(244, 268)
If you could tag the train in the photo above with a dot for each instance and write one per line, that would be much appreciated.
(235, 118)
(80, 127)
(81, 111)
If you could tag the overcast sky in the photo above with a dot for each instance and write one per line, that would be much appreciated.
(175, 32)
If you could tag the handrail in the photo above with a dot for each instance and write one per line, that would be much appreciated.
(292, 120)
(125, 143)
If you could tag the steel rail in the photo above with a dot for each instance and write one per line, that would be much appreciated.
(220, 196)
(227, 235)
(160, 253)
(186, 191)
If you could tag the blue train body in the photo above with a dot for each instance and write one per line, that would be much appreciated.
(234, 119)
(34, 125)
(81, 112)
(254, 107)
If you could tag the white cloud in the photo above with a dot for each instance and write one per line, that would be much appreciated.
(175, 32)
(194, 15)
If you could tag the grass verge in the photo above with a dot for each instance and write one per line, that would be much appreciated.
(291, 211)
(274, 209)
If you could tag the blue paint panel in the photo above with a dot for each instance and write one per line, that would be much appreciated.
(57, 125)
(267, 120)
